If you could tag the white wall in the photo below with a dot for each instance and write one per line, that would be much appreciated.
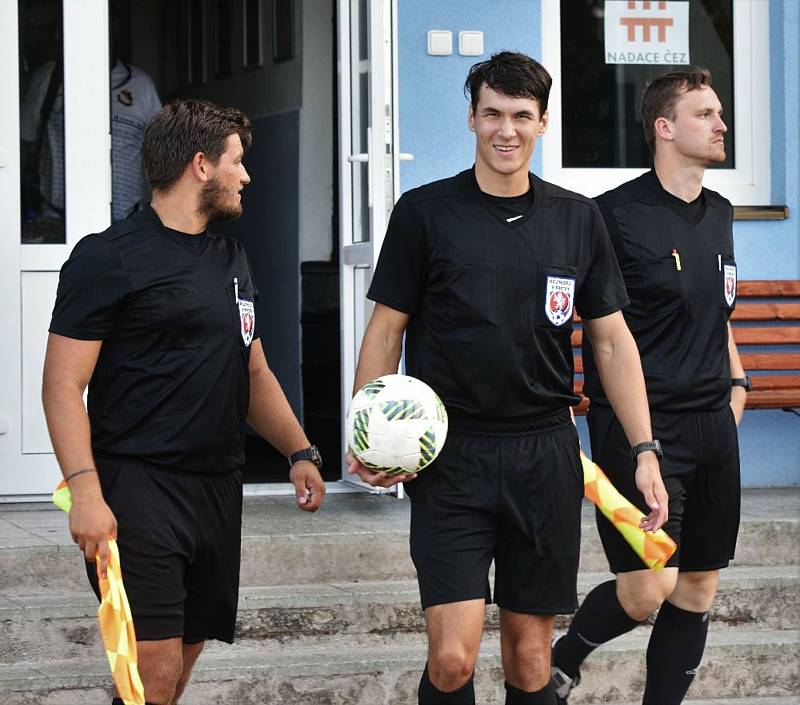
(316, 130)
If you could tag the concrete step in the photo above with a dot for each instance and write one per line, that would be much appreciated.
(50, 625)
(353, 538)
(372, 670)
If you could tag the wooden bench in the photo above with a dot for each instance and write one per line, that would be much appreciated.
(766, 328)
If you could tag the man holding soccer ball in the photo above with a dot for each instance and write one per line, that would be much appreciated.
(481, 272)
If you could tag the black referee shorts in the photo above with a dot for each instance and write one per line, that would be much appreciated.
(701, 474)
(512, 499)
(179, 538)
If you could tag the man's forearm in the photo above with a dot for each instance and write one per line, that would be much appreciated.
(620, 372)
(380, 355)
(70, 434)
(738, 394)
(271, 415)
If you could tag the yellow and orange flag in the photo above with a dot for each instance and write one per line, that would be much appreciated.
(114, 615)
(654, 548)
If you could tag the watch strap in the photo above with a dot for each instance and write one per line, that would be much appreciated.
(742, 382)
(654, 445)
(311, 453)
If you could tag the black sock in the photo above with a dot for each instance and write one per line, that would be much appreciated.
(674, 654)
(429, 694)
(599, 619)
(545, 696)
(118, 701)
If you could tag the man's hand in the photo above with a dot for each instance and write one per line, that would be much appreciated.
(738, 400)
(92, 523)
(308, 485)
(650, 484)
(372, 477)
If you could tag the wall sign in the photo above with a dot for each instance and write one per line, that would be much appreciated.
(646, 32)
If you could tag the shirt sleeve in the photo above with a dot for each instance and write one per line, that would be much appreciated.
(399, 276)
(91, 288)
(154, 102)
(603, 291)
(31, 108)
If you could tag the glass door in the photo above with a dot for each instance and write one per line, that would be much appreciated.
(55, 187)
(368, 161)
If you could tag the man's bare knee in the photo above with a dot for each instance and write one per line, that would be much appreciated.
(525, 644)
(160, 667)
(695, 591)
(450, 667)
(642, 592)
(190, 653)
(454, 635)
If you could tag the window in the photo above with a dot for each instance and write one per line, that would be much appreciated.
(251, 12)
(595, 140)
(41, 119)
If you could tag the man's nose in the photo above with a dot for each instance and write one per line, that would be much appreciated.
(506, 128)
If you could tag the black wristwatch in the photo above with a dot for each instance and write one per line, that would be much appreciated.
(742, 382)
(311, 453)
(654, 445)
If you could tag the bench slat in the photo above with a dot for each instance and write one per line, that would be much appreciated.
(750, 361)
(783, 335)
(761, 383)
(765, 382)
(773, 399)
(778, 335)
(768, 287)
(766, 312)
(770, 361)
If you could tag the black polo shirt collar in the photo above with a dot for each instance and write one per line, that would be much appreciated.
(470, 186)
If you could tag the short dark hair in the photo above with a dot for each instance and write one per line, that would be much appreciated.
(662, 93)
(183, 128)
(512, 74)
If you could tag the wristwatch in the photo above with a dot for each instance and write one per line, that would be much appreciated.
(311, 453)
(742, 382)
(654, 445)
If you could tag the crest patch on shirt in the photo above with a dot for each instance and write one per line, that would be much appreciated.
(247, 317)
(730, 283)
(559, 298)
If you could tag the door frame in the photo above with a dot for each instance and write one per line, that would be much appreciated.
(357, 258)
(27, 474)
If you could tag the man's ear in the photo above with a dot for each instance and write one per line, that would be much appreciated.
(663, 129)
(199, 167)
(545, 122)
(471, 119)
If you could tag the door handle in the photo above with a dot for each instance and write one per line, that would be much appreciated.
(405, 157)
(358, 158)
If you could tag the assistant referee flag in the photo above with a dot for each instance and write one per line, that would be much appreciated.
(114, 615)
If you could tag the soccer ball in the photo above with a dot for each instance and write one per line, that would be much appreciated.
(396, 424)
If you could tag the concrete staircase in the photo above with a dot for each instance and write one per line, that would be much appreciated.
(329, 614)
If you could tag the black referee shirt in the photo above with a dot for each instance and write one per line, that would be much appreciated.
(680, 273)
(171, 385)
(491, 301)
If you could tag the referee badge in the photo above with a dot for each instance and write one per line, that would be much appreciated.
(730, 284)
(247, 316)
(558, 300)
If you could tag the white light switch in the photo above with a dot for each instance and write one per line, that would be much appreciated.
(440, 42)
(470, 43)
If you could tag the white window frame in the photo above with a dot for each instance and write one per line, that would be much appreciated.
(749, 182)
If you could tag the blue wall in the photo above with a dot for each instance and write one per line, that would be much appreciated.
(771, 250)
(433, 109)
(433, 127)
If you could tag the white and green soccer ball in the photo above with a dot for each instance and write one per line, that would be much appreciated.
(396, 424)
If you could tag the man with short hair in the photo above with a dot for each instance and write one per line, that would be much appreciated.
(481, 272)
(673, 239)
(157, 315)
